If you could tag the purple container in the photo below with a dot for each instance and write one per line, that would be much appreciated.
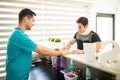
(58, 62)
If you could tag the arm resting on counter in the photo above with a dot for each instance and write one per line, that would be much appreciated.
(98, 46)
(69, 44)
(50, 52)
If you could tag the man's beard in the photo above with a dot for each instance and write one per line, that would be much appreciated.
(28, 28)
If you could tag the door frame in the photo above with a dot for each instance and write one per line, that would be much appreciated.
(107, 15)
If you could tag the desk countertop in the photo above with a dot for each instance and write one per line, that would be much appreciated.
(81, 58)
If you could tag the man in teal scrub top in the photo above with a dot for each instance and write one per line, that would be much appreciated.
(20, 47)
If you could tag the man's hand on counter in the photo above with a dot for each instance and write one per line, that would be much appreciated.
(75, 51)
(56, 49)
(64, 52)
(78, 51)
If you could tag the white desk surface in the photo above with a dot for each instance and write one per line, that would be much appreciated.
(81, 58)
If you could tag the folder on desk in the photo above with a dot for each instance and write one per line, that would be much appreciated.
(90, 51)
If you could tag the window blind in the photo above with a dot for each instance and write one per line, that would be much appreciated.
(55, 18)
(60, 18)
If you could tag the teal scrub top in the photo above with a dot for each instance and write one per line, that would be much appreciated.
(19, 55)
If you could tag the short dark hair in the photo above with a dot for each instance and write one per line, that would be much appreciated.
(82, 20)
(26, 12)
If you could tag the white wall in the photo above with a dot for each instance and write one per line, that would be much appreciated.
(117, 27)
(100, 6)
(117, 22)
(113, 7)
(105, 6)
(118, 6)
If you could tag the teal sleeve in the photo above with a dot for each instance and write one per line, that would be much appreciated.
(24, 42)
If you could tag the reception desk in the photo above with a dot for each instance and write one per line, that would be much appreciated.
(43, 70)
(81, 59)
